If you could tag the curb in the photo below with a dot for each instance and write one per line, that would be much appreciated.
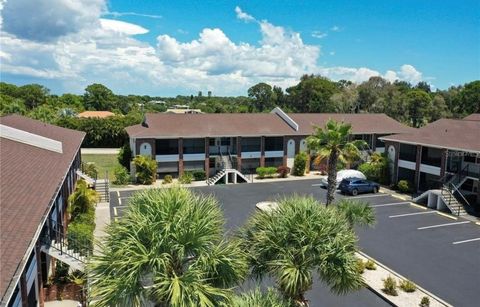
(384, 297)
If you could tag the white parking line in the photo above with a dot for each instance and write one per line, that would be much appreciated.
(118, 194)
(465, 241)
(115, 211)
(409, 214)
(120, 201)
(317, 185)
(368, 196)
(443, 225)
(391, 204)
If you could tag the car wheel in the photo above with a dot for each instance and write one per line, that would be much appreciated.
(354, 192)
(375, 190)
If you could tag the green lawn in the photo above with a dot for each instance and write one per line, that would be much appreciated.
(103, 163)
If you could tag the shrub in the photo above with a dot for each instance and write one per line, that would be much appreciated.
(121, 175)
(186, 178)
(125, 156)
(425, 302)
(360, 266)
(377, 169)
(167, 179)
(90, 169)
(263, 172)
(403, 186)
(80, 237)
(370, 265)
(408, 286)
(199, 175)
(300, 164)
(146, 169)
(390, 286)
(283, 171)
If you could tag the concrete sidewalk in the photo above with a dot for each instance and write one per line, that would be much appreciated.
(100, 151)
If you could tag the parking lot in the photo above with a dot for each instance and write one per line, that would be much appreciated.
(439, 253)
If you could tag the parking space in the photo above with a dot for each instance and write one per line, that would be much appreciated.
(438, 252)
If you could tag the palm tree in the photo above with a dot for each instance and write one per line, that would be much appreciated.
(297, 239)
(168, 250)
(82, 200)
(357, 212)
(333, 143)
(257, 298)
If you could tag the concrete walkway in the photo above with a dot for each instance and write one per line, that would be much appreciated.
(64, 303)
(100, 151)
(102, 219)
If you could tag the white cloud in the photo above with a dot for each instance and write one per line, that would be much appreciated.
(319, 34)
(410, 74)
(121, 27)
(242, 15)
(335, 29)
(120, 14)
(106, 51)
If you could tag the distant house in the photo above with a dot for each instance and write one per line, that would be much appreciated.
(242, 141)
(443, 156)
(95, 114)
(183, 109)
(38, 167)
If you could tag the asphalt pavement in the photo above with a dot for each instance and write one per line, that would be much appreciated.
(439, 253)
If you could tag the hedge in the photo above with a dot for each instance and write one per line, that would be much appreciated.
(263, 172)
(300, 164)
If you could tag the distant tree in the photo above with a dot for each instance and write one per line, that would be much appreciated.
(278, 96)
(33, 95)
(44, 113)
(312, 94)
(10, 105)
(9, 89)
(372, 94)
(98, 97)
(419, 106)
(469, 98)
(439, 108)
(72, 101)
(424, 86)
(262, 96)
(346, 100)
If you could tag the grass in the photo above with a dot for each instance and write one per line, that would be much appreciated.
(103, 163)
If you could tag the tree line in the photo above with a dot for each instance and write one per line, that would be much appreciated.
(414, 105)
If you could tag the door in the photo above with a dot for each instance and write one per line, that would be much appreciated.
(145, 149)
(290, 152)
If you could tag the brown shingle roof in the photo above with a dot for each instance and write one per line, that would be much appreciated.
(255, 124)
(473, 116)
(30, 177)
(211, 125)
(362, 123)
(444, 133)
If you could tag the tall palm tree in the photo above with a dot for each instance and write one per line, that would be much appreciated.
(333, 143)
(168, 250)
(257, 298)
(298, 239)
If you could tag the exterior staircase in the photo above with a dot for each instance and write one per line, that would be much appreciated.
(102, 186)
(69, 250)
(90, 181)
(225, 173)
(451, 201)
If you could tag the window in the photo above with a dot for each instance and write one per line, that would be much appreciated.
(274, 143)
(469, 157)
(432, 156)
(225, 141)
(273, 162)
(250, 144)
(193, 146)
(211, 141)
(166, 147)
(193, 165)
(408, 152)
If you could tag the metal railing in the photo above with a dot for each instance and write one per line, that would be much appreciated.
(70, 244)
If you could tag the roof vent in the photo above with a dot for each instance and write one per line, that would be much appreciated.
(31, 139)
(286, 118)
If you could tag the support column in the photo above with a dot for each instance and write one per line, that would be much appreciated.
(374, 142)
(443, 164)
(262, 151)
(239, 153)
(41, 295)
(207, 157)
(23, 290)
(285, 148)
(180, 156)
(417, 168)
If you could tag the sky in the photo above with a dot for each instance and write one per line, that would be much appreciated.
(169, 48)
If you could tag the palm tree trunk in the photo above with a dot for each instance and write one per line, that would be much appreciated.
(332, 177)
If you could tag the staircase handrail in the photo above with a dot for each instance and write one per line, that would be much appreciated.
(461, 195)
(446, 190)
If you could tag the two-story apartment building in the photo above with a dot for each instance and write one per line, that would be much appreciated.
(243, 141)
(445, 151)
(38, 164)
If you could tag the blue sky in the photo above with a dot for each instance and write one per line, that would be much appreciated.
(179, 47)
